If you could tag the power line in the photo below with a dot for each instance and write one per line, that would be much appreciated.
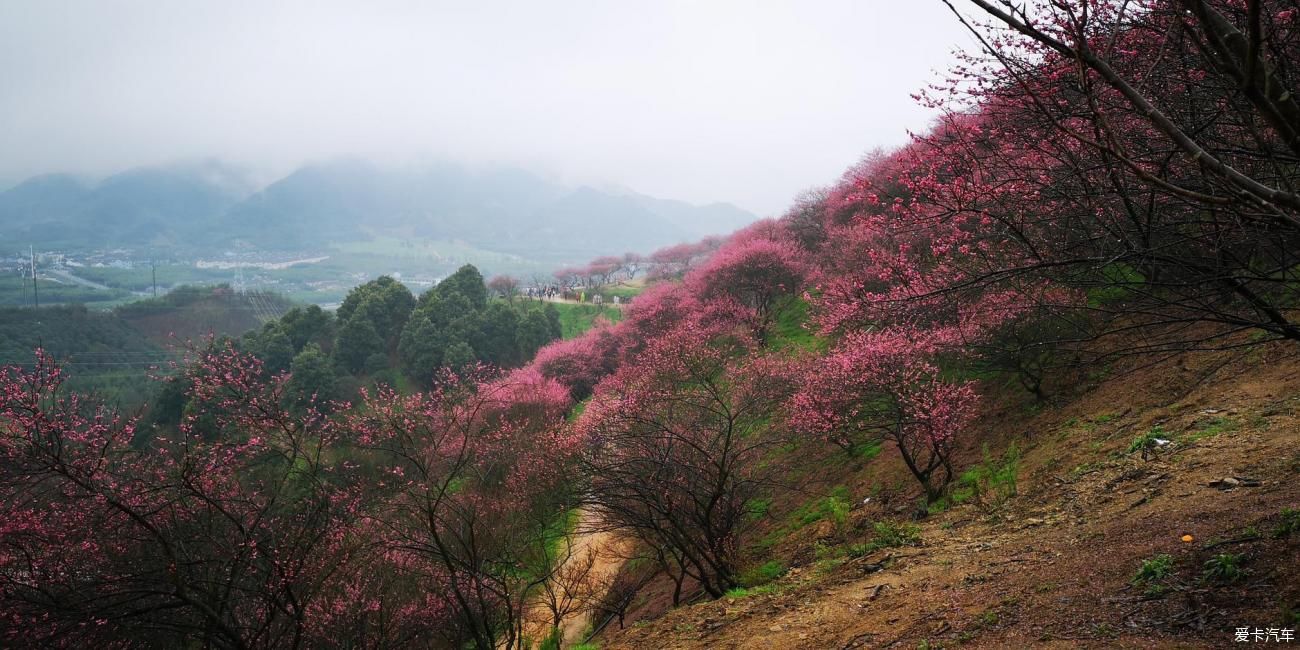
(36, 296)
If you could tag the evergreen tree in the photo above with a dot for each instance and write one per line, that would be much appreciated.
(494, 338)
(553, 321)
(309, 324)
(534, 332)
(357, 340)
(312, 375)
(386, 303)
(274, 348)
(468, 282)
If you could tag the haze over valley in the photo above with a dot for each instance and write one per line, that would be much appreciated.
(510, 325)
(325, 226)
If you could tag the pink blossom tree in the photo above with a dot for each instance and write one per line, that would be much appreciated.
(682, 442)
(234, 542)
(755, 269)
(474, 477)
(578, 364)
(885, 385)
(504, 286)
(633, 263)
(672, 262)
(602, 269)
(1117, 166)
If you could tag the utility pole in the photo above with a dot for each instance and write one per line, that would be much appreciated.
(36, 296)
(154, 271)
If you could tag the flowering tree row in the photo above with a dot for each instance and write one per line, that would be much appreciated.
(402, 520)
(668, 262)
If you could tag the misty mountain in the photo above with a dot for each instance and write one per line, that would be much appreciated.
(501, 208)
(51, 196)
(208, 206)
(167, 206)
(699, 220)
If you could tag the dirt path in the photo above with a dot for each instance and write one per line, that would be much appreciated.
(609, 552)
(566, 301)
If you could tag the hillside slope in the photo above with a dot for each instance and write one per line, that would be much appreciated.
(192, 312)
(1055, 566)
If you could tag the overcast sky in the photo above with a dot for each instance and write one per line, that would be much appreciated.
(748, 102)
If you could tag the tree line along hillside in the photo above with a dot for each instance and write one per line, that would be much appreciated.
(382, 330)
(382, 336)
(111, 352)
(1110, 185)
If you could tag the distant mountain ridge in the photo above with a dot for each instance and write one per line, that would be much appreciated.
(208, 205)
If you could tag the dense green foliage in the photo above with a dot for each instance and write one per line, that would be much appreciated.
(70, 332)
(111, 352)
(383, 334)
(103, 353)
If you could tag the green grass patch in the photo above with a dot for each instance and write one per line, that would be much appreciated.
(757, 509)
(576, 412)
(989, 484)
(865, 451)
(833, 507)
(623, 291)
(886, 534)
(1147, 442)
(1117, 281)
(892, 535)
(1213, 427)
(745, 592)
(16, 291)
(141, 278)
(789, 329)
(763, 574)
(575, 320)
(555, 535)
(1082, 470)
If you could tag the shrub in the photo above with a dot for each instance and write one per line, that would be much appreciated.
(860, 550)
(887, 535)
(1148, 443)
(890, 534)
(991, 483)
(762, 574)
(1289, 525)
(1223, 568)
(1153, 572)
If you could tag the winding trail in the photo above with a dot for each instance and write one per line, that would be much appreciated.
(610, 553)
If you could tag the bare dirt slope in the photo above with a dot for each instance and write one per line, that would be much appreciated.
(1055, 566)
